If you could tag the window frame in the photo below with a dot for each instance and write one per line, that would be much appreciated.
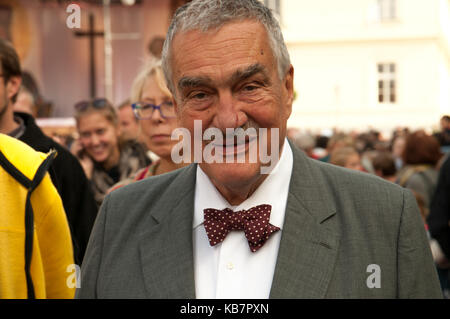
(387, 83)
(387, 10)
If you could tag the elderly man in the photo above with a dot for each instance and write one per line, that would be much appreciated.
(310, 230)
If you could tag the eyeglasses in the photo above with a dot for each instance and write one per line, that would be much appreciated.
(96, 103)
(145, 111)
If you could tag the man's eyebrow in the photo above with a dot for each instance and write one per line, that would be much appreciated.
(238, 75)
(190, 82)
(242, 74)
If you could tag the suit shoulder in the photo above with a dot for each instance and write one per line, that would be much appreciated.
(358, 183)
(147, 192)
(361, 200)
(149, 186)
(129, 206)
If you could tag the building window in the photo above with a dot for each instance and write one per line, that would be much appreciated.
(387, 9)
(387, 85)
(275, 6)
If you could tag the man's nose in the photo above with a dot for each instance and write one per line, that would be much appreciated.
(229, 113)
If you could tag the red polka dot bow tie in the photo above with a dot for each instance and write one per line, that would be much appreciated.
(254, 222)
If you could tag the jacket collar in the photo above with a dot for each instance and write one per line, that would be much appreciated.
(166, 250)
(310, 238)
(33, 135)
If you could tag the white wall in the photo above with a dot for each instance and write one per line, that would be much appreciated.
(335, 48)
(342, 80)
(331, 20)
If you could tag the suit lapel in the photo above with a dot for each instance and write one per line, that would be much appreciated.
(166, 249)
(309, 241)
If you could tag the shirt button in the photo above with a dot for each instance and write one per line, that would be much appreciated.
(230, 266)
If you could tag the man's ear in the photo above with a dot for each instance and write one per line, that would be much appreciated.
(13, 86)
(288, 87)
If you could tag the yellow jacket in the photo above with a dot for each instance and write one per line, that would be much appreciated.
(52, 253)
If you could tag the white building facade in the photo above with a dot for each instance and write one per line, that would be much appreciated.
(361, 64)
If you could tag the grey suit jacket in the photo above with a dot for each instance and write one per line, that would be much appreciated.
(337, 223)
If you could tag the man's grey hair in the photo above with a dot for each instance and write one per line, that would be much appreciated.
(204, 15)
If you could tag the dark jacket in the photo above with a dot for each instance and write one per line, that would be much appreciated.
(69, 179)
(439, 218)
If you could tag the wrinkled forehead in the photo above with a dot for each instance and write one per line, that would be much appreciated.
(230, 28)
(237, 42)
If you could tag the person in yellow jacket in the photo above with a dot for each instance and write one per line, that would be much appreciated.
(35, 243)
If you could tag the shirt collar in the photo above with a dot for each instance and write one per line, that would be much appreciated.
(273, 191)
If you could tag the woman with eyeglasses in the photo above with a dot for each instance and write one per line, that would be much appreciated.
(105, 158)
(154, 109)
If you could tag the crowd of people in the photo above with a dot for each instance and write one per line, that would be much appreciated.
(114, 147)
(415, 160)
(118, 146)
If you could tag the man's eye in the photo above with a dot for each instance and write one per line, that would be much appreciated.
(199, 96)
(250, 87)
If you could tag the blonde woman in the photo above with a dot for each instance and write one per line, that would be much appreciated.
(152, 105)
(105, 158)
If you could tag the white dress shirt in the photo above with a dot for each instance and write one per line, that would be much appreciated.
(230, 269)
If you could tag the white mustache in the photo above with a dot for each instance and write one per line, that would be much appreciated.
(245, 133)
